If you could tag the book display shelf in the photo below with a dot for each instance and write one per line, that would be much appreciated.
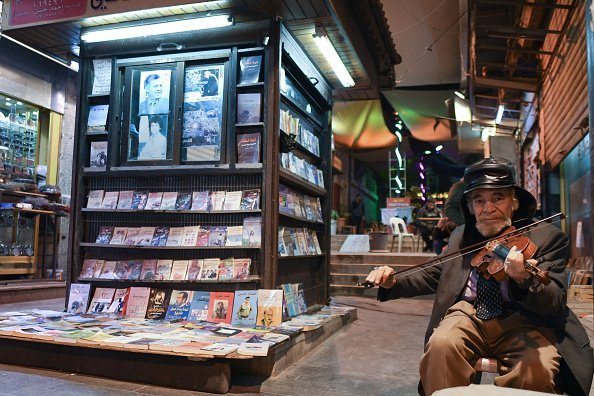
(218, 152)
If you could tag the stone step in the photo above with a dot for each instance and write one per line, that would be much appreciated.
(362, 268)
(352, 290)
(31, 290)
(380, 258)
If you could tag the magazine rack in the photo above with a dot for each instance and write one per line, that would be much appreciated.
(247, 108)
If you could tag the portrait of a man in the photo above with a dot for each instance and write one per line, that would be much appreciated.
(154, 92)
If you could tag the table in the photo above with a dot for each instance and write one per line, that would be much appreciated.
(403, 212)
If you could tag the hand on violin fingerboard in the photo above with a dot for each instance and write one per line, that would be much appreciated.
(514, 266)
(382, 276)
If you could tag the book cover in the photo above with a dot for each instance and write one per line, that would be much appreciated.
(175, 236)
(190, 236)
(221, 305)
(179, 268)
(98, 154)
(125, 201)
(282, 248)
(104, 236)
(107, 272)
(203, 236)
(226, 269)
(199, 306)
(232, 200)
(250, 200)
(157, 304)
(121, 270)
(139, 199)
(248, 148)
(219, 349)
(234, 236)
(245, 308)
(249, 69)
(248, 107)
(253, 349)
(200, 200)
(160, 236)
(98, 269)
(119, 236)
(97, 121)
(179, 305)
(184, 201)
(241, 268)
(137, 302)
(218, 236)
(78, 297)
(217, 198)
(101, 300)
(119, 302)
(210, 269)
(270, 308)
(194, 270)
(169, 200)
(153, 201)
(134, 269)
(145, 236)
(148, 270)
(88, 269)
(95, 199)
(252, 229)
(163, 271)
(110, 200)
(132, 236)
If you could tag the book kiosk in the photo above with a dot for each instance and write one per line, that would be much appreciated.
(200, 115)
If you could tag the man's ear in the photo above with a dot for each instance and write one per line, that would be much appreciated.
(470, 208)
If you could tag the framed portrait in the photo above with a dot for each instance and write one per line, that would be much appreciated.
(203, 113)
(150, 100)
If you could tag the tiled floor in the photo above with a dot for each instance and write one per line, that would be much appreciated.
(376, 355)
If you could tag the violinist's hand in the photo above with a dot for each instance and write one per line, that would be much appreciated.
(380, 276)
(514, 266)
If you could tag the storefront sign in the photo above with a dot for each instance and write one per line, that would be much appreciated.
(21, 13)
(397, 202)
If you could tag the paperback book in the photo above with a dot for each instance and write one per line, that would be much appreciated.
(250, 200)
(232, 200)
(217, 198)
(108, 270)
(218, 236)
(270, 308)
(88, 269)
(199, 306)
(145, 236)
(221, 304)
(226, 269)
(101, 300)
(169, 200)
(210, 269)
(105, 235)
(98, 154)
(125, 201)
(97, 121)
(179, 268)
(248, 107)
(179, 305)
(160, 236)
(157, 304)
(175, 236)
(184, 201)
(78, 297)
(203, 236)
(252, 228)
(200, 201)
(116, 308)
(245, 308)
(190, 236)
(163, 270)
(139, 199)
(154, 201)
(241, 268)
(132, 236)
(148, 270)
(234, 236)
(110, 200)
(249, 69)
(248, 148)
(194, 269)
(95, 199)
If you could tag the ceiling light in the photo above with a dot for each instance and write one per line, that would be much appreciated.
(438, 148)
(427, 151)
(152, 29)
(327, 49)
(499, 114)
(459, 94)
(487, 131)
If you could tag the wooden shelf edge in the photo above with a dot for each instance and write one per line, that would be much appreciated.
(301, 219)
(251, 279)
(301, 256)
(17, 260)
(99, 245)
(297, 181)
(169, 211)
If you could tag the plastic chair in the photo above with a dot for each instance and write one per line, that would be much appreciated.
(399, 231)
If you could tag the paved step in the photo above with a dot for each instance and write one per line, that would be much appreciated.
(362, 268)
(352, 290)
(336, 242)
(31, 290)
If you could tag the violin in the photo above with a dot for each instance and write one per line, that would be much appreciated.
(490, 260)
(499, 247)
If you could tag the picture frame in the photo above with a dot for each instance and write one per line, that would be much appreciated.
(204, 98)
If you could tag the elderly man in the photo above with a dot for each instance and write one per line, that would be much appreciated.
(538, 342)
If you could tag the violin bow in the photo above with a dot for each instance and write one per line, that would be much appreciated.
(466, 250)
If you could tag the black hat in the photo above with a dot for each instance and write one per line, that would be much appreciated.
(496, 173)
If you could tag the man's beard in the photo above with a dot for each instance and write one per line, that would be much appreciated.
(491, 229)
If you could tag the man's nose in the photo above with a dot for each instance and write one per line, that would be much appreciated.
(489, 206)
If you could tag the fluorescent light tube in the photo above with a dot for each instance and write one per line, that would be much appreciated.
(153, 29)
(459, 94)
(327, 49)
(499, 114)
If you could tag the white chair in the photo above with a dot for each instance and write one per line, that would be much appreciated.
(399, 231)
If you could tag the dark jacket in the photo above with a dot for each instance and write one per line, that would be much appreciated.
(545, 306)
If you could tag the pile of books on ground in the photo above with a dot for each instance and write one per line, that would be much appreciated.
(202, 338)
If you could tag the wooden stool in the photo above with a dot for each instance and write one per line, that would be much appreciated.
(484, 365)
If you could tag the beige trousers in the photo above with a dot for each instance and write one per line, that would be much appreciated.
(527, 359)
